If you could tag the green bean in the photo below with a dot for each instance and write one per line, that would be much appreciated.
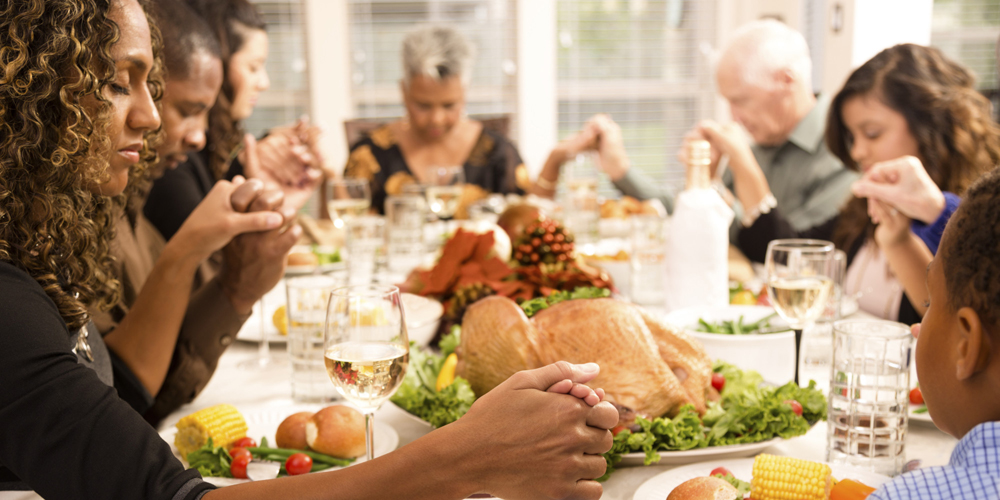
(287, 452)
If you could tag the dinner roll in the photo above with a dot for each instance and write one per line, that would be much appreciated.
(337, 431)
(303, 259)
(704, 488)
(292, 431)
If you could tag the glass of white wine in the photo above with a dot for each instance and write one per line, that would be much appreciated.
(366, 347)
(444, 191)
(799, 282)
(348, 198)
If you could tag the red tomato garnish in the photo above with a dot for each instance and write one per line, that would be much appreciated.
(238, 467)
(298, 463)
(762, 298)
(718, 381)
(237, 451)
(246, 442)
(720, 471)
(617, 429)
(796, 406)
(916, 397)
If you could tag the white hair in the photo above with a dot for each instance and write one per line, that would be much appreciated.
(437, 52)
(761, 48)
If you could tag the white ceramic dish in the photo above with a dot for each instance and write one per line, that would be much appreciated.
(772, 354)
(660, 485)
(700, 454)
(423, 316)
(262, 421)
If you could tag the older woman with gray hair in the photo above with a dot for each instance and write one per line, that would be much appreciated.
(437, 66)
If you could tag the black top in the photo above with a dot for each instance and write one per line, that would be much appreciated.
(175, 195)
(494, 165)
(63, 432)
(753, 242)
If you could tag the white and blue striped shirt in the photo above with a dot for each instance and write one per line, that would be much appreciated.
(972, 473)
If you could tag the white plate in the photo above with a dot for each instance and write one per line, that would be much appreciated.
(263, 422)
(251, 329)
(660, 485)
(699, 454)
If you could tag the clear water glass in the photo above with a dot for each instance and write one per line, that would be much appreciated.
(817, 339)
(648, 260)
(365, 248)
(405, 217)
(307, 301)
(869, 395)
(347, 199)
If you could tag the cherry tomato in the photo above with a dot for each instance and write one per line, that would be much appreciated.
(298, 463)
(762, 298)
(237, 451)
(796, 406)
(916, 397)
(246, 442)
(238, 467)
(718, 381)
(617, 429)
(720, 471)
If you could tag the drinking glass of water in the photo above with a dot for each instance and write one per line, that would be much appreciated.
(367, 350)
(799, 283)
(444, 191)
(869, 395)
(348, 198)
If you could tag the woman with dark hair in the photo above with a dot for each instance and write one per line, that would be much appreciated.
(908, 108)
(288, 155)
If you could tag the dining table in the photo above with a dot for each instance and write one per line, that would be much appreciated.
(269, 386)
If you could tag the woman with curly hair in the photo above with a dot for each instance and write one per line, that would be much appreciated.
(77, 111)
(289, 156)
(915, 113)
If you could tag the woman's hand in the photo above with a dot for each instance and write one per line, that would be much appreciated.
(536, 444)
(289, 158)
(214, 222)
(903, 184)
(610, 147)
(893, 227)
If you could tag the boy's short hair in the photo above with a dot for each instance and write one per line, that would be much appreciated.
(972, 256)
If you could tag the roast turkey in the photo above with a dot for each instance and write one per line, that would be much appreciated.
(646, 366)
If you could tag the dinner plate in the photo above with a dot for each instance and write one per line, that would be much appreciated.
(660, 485)
(263, 421)
(251, 329)
(700, 454)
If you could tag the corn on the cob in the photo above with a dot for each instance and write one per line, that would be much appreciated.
(786, 478)
(223, 423)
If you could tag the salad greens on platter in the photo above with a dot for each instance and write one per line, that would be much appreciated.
(531, 307)
(418, 394)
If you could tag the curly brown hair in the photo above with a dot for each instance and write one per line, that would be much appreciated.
(231, 21)
(54, 54)
(952, 123)
(971, 251)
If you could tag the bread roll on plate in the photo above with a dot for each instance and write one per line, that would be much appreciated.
(338, 431)
(704, 488)
(292, 431)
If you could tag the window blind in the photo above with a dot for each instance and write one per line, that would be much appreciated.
(967, 31)
(288, 97)
(377, 29)
(644, 63)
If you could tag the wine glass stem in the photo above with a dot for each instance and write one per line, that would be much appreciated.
(370, 435)
(798, 347)
(264, 349)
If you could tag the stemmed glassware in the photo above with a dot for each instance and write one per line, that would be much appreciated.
(366, 348)
(799, 282)
(444, 191)
(348, 198)
(263, 358)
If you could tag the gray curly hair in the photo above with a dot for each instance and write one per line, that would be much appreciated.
(437, 52)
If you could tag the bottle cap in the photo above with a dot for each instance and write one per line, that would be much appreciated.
(699, 152)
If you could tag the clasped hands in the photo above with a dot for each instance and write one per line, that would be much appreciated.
(899, 191)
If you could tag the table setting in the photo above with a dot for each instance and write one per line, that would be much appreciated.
(784, 339)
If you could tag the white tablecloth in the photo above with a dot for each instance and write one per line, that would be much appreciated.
(241, 387)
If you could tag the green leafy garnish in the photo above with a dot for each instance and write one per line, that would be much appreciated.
(325, 258)
(450, 342)
(417, 393)
(210, 460)
(742, 487)
(737, 327)
(920, 410)
(531, 307)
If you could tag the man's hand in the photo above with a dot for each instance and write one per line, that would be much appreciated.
(612, 157)
(903, 184)
(253, 263)
(537, 444)
(283, 159)
(728, 140)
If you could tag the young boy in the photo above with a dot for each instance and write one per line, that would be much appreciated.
(958, 355)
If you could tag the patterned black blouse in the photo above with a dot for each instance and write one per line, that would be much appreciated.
(493, 166)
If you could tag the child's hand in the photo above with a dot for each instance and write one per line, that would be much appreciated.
(893, 227)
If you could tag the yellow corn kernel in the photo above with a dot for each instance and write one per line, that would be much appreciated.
(779, 478)
(223, 423)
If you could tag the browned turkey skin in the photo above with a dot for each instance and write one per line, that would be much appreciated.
(646, 367)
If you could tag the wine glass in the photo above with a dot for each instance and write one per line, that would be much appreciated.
(444, 191)
(348, 198)
(366, 347)
(799, 282)
(264, 358)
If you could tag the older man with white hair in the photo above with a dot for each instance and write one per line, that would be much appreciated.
(764, 74)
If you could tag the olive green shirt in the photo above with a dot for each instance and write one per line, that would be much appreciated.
(809, 183)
